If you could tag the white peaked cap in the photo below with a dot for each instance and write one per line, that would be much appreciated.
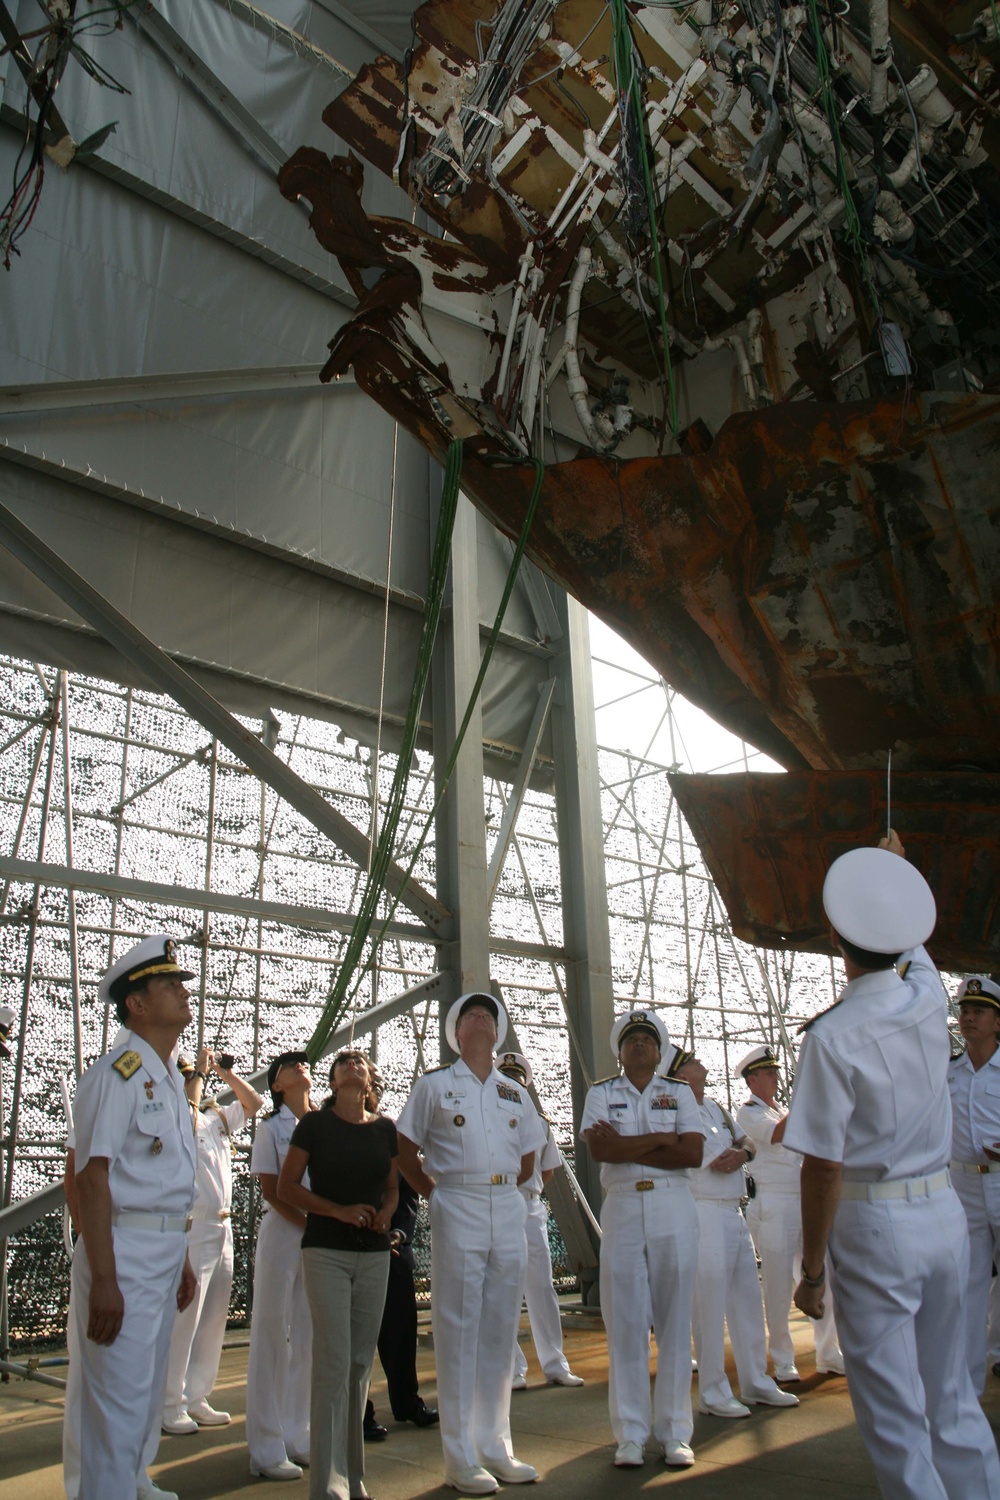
(475, 997)
(878, 901)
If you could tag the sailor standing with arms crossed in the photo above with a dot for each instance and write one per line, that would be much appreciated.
(135, 1170)
(871, 1117)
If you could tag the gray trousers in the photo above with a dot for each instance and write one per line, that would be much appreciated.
(346, 1294)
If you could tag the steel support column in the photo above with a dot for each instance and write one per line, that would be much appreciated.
(461, 824)
(589, 988)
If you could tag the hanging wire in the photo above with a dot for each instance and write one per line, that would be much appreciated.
(345, 990)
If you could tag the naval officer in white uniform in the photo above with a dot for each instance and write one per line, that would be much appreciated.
(135, 1172)
(539, 1292)
(478, 1132)
(726, 1288)
(647, 1133)
(775, 1220)
(871, 1116)
(974, 1084)
(279, 1365)
(196, 1345)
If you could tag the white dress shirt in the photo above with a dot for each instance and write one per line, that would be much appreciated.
(464, 1126)
(975, 1107)
(665, 1104)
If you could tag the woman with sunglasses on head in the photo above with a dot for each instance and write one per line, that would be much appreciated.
(350, 1155)
(280, 1329)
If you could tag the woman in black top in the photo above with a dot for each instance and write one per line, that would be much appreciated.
(351, 1157)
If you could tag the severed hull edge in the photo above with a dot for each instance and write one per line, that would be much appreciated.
(768, 841)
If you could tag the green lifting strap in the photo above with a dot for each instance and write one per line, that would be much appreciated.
(352, 971)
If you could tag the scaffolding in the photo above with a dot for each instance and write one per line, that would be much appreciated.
(120, 815)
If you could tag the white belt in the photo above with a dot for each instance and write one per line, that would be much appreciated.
(153, 1223)
(975, 1168)
(647, 1184)
(216, 1216)
(773, 1187)
(903, 1187)
(718, 1202)
(476, 1179)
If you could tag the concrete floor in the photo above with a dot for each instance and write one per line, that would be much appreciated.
(812, 1450)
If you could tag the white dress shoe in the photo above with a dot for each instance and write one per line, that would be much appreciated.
(677, 1455)
(299, 1458)
(285, 1470)
(629, 1456)
(180, 1425)
(472, 1481)
(786, 1372)
(832, 1367)
(565, 1377)
(511, 1471)
(728, 1408)
(152, 1491)
(519, 1383)
(763, 1396)
(207, 1416)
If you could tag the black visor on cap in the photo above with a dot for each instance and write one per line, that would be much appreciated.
(635, 1026)
(484, 1000)
(279, 1063)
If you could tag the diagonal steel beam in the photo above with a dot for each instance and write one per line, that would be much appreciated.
(171, 678)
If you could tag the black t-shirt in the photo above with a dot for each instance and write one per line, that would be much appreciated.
(348, 1163)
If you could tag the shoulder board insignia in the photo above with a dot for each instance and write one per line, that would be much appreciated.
(901, 971)
(442, 1069)
(807, 1025)
(957, 1056)
(127, 1064)
(611, 1078)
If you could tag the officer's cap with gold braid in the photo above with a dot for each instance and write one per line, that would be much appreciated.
(153, 957)
(755, 1060)
(638, 1020)
(466, 1002)
(515, 1065)
(673, 1060)
(979, 990)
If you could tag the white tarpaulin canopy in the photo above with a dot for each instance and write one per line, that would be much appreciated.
(164, 430)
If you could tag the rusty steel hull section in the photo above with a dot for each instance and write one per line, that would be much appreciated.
(824, 580)
(769, 840)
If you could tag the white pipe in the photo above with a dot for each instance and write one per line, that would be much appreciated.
(527, 260)
(755, 339)
(878, 24)
(908, 166)
(576, 385)
(738, 347)
(892, 222)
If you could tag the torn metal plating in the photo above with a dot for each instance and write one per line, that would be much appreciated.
(733, 271)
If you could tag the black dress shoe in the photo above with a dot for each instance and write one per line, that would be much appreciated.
(374, 1432)
(996, 1368)
(420, 1415)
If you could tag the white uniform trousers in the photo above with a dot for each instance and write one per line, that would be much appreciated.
(478, 1259)
(727, 1290)
(649, 1249)
(993, 1336)
(280, 1359)
(775, 1220)
(540, 1296)
(115, 1391)
(196, 1345)
(900, 1270)
(980, 1197)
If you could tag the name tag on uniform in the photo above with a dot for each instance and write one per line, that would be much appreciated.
(664, 1101)
(153, 1107)
(618, 1104)
(455, 1094)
